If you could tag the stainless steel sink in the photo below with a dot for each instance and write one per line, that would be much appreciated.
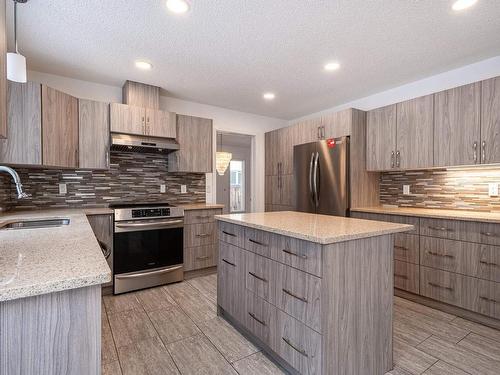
(33, 224)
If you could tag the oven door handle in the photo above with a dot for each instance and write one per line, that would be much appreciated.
(149, 273)
(158, 224)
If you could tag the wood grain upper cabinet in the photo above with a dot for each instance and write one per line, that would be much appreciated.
(24, 108)
(194, 135)
(457, 126)
(490, 121)
(337, 124)
(381, 138)
(3, 72)
(160, 123)
(59, 128)
(414, 133)
(127, 119)
(141, 95)
(271, 140)
(93, 134)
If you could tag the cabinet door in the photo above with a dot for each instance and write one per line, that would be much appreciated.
(93, 134)
(307, 131)
(490, 121)
(271, 152)
(102, 225)
(194, 135)
(231, 280)
(3, 72)
(286, 187)
(337, 124)
(286, 138)
(381, 138)
(415, 126)
(24, 108)
(59, 128)
(160, 123)
(456, 126)
(127, 119)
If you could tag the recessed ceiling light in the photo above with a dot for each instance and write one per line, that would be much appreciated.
(269, 96)
(463, 4)
(144, 65)
(178, 6)
(332, 66)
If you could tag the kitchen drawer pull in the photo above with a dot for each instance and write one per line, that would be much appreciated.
(401, 248)
(257, 277)
(203, 257)
(440, 286)
(228, 262)
(442, 229)
(488, 263)
(401, 276)
(286, 291)
(204, 235)
(294, 254)
(257, 319)
(257, 242)
(301, 351)
(489, 234)
(441, 255)
(203, 217)
(488, 299)
(229, 234)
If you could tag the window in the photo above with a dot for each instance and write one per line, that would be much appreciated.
(237, 185)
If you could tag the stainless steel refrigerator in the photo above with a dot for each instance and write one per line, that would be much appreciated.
(321, 177)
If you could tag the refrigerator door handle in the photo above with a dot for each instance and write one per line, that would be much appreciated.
(315, 180)
(311, 163)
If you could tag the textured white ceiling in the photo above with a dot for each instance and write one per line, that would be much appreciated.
(228, 52)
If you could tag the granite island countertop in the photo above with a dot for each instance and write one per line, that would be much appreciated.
(323, 229)
(46, 260)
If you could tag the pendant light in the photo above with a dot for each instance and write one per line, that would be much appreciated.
(222, 160)
(16, 63)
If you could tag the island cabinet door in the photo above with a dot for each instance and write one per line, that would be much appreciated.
(231, 280)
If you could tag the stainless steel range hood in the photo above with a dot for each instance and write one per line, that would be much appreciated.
(139, 143)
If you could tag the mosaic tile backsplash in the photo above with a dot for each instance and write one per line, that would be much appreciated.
(446, 189)
(132, 177)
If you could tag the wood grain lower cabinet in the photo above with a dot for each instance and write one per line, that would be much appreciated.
(407, 276)
(103, 227)
(93, 137)
(231, 280)
(260, 318)
(260, 276)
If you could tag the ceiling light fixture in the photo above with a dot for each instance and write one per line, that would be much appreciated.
(178, 6)
(269, 96)
(16, 63)
(144, 65)
(331, 66)
(463, 4)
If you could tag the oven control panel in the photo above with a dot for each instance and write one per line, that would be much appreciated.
(150, 212)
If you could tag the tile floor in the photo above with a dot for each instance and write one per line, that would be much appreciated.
(175, 330)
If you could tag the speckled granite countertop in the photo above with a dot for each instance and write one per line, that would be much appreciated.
(322, 229)
(46, 260)
(481, 216)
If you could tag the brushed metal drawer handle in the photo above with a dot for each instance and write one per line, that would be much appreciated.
(228, 262)
(204, 235)
(401, 248)
(443, 229)
(229, 234)
(204, 257)
(440, 286)
(441, 255)
(293, 295)
(401, 276)
(257, 319)
(294, 254)
(257, 277)
(203, 217)
(488, 299)
(257, 242)
(301, 351)
(489, 234)
(488, 263)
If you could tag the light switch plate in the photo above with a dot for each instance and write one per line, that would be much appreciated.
(493, 189)
(163, 188)
(184, 189)
(62, 189)
(406, 189)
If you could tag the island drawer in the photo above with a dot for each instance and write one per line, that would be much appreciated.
(201, 216)
(231, 280)
(199, 234)
(200, 257)
(298, 345)
(487, 300)
(486, 233)
(258, 241)
(401, 219)
(231, 233)
(299, 294)
(406, 276)
(260, 319)
(406, 248)
(303, 255)
(260, 276)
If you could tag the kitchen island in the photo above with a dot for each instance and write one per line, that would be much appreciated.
(313, 291)
(50, 295)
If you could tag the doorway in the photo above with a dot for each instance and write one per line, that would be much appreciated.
(234, 187)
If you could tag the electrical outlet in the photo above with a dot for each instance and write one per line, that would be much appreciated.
(163, 188)
(184, 189)
(493, 190)
(406, 189)
(62, 189)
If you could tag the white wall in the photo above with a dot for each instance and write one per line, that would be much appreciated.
(467, 74)
(223, 119)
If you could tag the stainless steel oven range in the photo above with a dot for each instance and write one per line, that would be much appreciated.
(148, 246)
